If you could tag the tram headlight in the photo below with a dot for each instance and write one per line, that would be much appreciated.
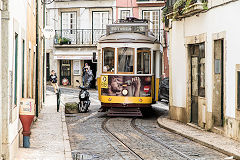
(125, 92)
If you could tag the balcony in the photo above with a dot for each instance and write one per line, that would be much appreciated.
(77, 37)
(184, 8)
(150, 1)
(71, 38)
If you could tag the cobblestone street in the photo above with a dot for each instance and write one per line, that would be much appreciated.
(142, 137)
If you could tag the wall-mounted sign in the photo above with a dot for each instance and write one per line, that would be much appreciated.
(76, 67)
(217, 66)
(74, 57)
(27, 106)
(117, 28)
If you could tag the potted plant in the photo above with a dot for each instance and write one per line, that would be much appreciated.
(65, 41)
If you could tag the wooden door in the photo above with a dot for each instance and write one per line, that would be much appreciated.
(218, 83)
(195, 89)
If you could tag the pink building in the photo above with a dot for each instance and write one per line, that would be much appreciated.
(150, 10)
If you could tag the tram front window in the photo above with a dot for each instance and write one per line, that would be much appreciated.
(108, 60)
(125, 60)
(143, 61)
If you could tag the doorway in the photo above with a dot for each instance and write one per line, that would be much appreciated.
(218, 98)
(65, 72)
(93, 67)
(197, 52)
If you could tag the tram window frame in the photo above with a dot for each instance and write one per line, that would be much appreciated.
(133, 60)
(141, 51)
(103, 58)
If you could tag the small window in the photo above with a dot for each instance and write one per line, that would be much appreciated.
(125, 60)
(143, 61)
(108, 60)
(238, 90)
(125, 14)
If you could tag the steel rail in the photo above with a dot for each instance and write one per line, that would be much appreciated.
(118, 139)
(133, 125)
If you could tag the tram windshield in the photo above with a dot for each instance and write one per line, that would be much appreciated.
(143, 61)
(108, 60)
(125, 60)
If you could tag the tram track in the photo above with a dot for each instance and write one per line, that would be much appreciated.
(133, 125)
(119, 140)
(145, 140)
(140, 143)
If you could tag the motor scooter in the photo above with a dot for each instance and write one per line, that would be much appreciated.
(84, 101)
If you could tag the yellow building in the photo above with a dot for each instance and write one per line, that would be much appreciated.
(21, 74)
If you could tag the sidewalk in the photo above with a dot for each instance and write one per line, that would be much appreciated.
(49, 137)
(212, 140)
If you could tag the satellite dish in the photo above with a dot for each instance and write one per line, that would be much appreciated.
(48, 32)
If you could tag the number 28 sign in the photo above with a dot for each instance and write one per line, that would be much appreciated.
(104, 81)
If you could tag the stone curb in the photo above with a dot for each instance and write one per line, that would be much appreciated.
(67, 148)
(161, 124)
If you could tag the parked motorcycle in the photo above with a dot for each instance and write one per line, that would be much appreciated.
(84, 101)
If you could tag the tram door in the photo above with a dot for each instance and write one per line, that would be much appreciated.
(197, 52)
(65, 72)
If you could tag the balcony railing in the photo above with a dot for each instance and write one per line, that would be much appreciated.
(78, 36)
(89, 36)
(179, 8)
(149, 1)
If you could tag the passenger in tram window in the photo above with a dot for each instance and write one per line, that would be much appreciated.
(109, 67)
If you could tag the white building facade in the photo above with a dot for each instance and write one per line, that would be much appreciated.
(13, 27)
(78, 25)
(205, 66)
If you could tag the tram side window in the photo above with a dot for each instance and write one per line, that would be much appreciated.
(108, 60)
(143, 61)
(125, 60)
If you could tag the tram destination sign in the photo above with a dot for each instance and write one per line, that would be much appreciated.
(119, 28)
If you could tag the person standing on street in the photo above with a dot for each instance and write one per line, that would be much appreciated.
(84, 72)
(53, 79)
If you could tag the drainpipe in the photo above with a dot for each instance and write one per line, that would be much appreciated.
(44, 55)
(36, 91)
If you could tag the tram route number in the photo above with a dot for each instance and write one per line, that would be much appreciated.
(104, 82)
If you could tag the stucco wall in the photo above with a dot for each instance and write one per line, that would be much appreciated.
(216, 20)
(178, 65)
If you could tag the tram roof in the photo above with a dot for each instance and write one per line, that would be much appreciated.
(128, 38)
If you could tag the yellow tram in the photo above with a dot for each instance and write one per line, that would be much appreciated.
(128, 68)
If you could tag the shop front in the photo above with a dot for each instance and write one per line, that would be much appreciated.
(70, 69)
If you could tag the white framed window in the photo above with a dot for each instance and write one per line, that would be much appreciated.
(154, 18)
(100, 20)
(69, 26)
(124, 14)
(69, 20)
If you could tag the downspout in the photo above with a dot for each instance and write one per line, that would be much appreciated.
(36, 91)
(44, 54)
